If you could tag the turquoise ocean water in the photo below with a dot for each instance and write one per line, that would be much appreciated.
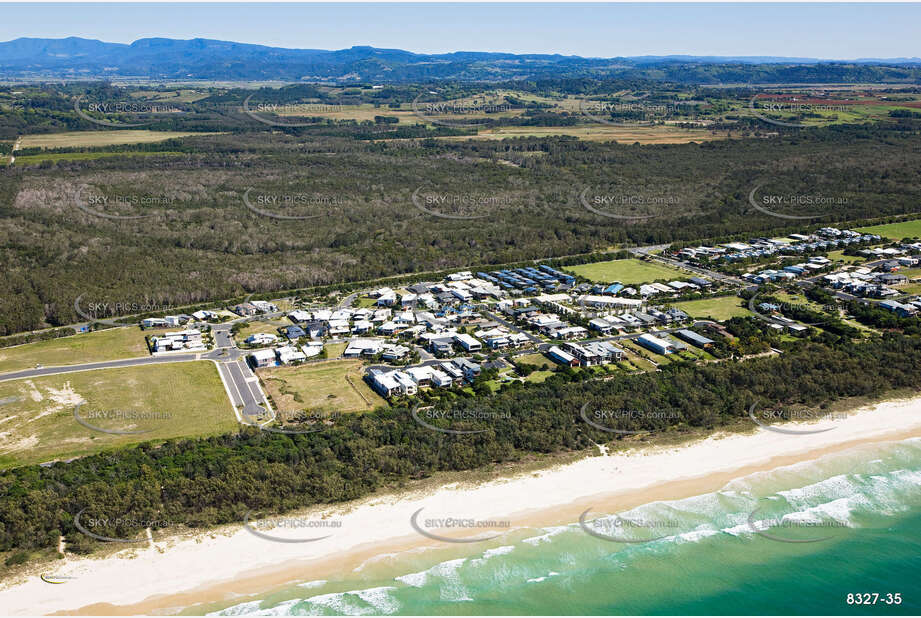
(856, 515)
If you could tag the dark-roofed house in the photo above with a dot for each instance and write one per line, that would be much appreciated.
(294, 332)
(693, 338)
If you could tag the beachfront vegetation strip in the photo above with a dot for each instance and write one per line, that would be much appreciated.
(325, 386)
(163, 401)
(895, 231)
(628, 272)
(232, 473)
(101, 345)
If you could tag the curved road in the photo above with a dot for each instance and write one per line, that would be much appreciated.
(241, 383)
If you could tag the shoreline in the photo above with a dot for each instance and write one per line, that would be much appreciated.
(229, 564)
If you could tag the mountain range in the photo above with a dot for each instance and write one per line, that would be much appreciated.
(207, 59)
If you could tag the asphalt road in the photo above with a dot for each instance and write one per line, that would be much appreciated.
(242, 383)
(127, 362)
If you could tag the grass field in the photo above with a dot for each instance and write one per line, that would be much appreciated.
(848, 259)
(628, 272)
(86, 139)
(335, 350)
(164, 401)
(895, 231)
(259, 326)
(598, 132)
(86, 156)
(101, 345)
(534, 359)
(323, 386)
(721, 308)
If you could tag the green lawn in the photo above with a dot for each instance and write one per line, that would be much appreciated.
(534, 359)
(895, 231)
(260, 326)
(848, 259)
(720, 308)
(538, 376)
(164, 401)
(323, 386)
(628, 272)
(101, 345)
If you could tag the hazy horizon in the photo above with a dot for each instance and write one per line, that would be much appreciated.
(823, 31)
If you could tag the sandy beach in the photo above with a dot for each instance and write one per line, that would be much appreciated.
(232, 562)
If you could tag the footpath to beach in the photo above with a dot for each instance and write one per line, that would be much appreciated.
(230, 562)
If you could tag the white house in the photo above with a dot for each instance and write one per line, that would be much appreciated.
(263, 358)
(261, 339)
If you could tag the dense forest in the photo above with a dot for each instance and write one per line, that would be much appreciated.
(208, 481)
(359, 200)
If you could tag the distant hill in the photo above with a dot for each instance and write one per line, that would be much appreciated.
(206, 59)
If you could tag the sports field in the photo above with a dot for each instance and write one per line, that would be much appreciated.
(101, 345)
(328, 386)
(37, 421)
(895, 231)
(628, 272)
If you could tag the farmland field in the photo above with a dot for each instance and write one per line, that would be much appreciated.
(101, 345)
(163, 401)
(85, 156)
(322, 386)
(82, 139)
(597, 132)
(721, 308)
(628, 271)
(895, 231)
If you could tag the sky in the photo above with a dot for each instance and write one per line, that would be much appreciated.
(823, 30)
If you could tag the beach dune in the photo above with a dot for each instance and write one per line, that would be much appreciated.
(234, 561)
